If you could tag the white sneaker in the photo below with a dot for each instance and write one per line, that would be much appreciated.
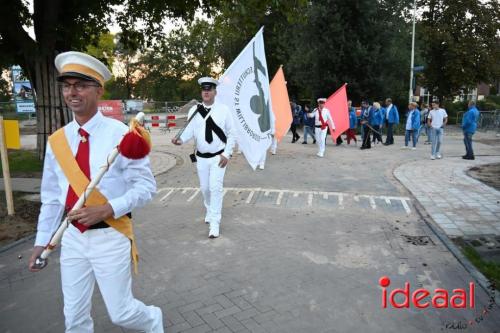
(405, 147)
(433, 157)
(439, 156)
(273, 152)
(157, 321)
(319, 154)
(413, 148)
(261, 166)
(214, 231)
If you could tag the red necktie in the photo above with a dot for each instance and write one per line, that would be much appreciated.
(322, 121)
(82, 158)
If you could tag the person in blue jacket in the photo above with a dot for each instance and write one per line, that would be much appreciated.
(469, 125)
(391, 118)
(308, 125)
(412, 125)
(375, 121)
(353, 121)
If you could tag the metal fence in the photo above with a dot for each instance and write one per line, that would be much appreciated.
(489, 121)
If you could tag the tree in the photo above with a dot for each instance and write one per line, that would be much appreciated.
(364, 43)
(461, 44)
(73, 25)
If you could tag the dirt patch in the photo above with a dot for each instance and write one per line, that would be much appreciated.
(488, 174)
(492, 142)
(22, 223)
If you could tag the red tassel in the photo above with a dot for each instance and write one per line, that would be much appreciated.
(134, 146)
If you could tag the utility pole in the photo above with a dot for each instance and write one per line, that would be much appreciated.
(410, 95)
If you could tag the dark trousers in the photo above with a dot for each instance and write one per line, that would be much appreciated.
(468, 145)
(390, 138)
(376, 135)
(367, 138)
(293, 128)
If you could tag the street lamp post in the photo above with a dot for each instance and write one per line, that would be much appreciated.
(410, 97)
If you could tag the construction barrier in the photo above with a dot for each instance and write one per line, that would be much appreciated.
(155, 121)
(171, 121)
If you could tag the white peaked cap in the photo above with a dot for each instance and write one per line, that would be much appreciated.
(81, 65)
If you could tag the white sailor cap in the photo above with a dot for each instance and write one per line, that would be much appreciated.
(81, 65)
(208, 82)
(321, 100)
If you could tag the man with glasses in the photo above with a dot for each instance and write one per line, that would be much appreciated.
(214, 133)
(91, 249)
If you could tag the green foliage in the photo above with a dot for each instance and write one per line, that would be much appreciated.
(461, 44)
(103, 49)
(364, 43)
(23, 161)
(5, 90)
(490, 269)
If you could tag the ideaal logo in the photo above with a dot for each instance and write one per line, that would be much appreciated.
(422, 298)
(440, 299)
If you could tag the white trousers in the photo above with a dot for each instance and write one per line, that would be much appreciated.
(101, 255)
(274, 146)
(211, 185)
(320, 139)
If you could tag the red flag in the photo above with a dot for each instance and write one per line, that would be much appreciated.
(280, 104)
(337, 104)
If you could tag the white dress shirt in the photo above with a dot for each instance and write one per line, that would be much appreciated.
(196, 128)
(326, 117)
(127, 184)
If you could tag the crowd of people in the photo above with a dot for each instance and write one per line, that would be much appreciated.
(372, 120)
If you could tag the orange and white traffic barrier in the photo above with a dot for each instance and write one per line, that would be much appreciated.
(155, 121)
(171, 121)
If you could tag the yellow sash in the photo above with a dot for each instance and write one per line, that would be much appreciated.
(79, 183)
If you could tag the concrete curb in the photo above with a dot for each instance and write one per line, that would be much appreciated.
(17, 242)
(483, 282)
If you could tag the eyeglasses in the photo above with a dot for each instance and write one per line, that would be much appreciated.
(79, 86)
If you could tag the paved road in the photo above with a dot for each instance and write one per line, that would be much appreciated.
(304, 243)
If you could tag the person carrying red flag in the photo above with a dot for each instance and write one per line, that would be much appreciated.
(322, 119)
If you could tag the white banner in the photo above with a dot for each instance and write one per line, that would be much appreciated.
(244, 88)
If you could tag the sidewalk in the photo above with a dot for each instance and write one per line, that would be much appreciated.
(459, 204)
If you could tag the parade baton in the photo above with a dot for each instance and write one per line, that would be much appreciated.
(135, 144)
(178, 135)
(371, 128)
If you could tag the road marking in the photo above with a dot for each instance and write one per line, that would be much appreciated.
(341, 196)
(194, 195)
(278, 200)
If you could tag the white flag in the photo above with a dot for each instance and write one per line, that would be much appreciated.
(244, 88)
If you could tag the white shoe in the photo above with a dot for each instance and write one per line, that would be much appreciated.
(157, 321)
(319, 154)
(261, 166)
(405, 147)
(433, 157)
(273, 152)
(214, 231)
(413, 148)
(439, 156)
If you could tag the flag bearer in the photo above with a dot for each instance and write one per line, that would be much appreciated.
(322, 118)
(214, 133)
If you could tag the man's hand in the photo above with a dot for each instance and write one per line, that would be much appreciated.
(89, 216)
(37, 251)
(223, 161)
(176, 142)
